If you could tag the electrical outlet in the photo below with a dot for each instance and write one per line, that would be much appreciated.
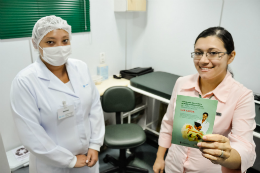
(102, 58)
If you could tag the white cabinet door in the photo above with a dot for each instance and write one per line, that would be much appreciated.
(14, 56)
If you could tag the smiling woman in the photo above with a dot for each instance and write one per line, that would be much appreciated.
(212, 67)
(216, 38)
(231, 147)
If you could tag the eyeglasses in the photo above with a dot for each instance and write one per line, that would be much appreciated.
(209, 55)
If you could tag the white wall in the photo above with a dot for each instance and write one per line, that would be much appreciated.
(169, 32)
(242, 19)
(164, 36)
(136, 23)
(107, 35)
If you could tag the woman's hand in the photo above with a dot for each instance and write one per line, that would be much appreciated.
(212, 147)
(81, 161)
(158, 165)
(92, 157)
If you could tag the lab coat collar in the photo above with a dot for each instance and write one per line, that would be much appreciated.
(221, 92)
(74, 78)
(42, 70)
(55, 83)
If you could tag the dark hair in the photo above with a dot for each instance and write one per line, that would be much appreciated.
(197, 124)
(206, 113)
(223, 35)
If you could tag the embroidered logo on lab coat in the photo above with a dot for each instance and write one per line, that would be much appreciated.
(85, 85)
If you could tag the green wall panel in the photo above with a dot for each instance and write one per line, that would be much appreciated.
(17, 17)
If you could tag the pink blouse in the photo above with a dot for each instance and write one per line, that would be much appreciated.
(237, 122)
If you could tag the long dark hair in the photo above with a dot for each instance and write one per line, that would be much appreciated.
(223, 35)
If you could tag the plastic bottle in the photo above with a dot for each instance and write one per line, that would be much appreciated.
(102, 68)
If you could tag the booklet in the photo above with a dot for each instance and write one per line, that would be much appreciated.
(194, 117)
(21, 153)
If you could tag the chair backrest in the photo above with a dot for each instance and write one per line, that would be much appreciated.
(118, 99)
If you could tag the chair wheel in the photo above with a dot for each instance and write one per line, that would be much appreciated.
(106, 160)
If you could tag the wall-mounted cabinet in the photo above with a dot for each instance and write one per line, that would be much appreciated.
(129, 5)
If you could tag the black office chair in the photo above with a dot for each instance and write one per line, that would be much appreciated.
(121, 136)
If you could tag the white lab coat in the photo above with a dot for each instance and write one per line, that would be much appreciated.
(204, 126)
(36, 95)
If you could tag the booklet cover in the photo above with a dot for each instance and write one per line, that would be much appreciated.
(194, 117)
(21, 153)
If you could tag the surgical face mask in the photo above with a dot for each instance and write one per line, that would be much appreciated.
(56, 56)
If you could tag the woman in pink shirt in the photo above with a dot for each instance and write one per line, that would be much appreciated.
(231, 147)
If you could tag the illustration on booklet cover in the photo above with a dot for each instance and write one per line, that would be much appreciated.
(193, 118)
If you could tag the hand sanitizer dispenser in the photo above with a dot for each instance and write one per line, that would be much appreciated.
(102, 68)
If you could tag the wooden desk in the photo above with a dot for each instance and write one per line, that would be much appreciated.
(110, 82)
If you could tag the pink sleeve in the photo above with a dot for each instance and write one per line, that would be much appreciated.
(241, 135)
(165, 137)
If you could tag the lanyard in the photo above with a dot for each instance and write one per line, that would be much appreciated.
(209, 97)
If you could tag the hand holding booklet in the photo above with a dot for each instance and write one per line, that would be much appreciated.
(194, 117)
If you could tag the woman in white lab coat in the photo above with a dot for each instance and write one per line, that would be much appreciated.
(56, 106)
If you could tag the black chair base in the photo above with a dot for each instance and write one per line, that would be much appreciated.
(121, 165)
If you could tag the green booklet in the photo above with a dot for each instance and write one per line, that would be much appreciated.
(194, 117)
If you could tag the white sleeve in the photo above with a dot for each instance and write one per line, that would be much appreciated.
(96, 119)
(73, 162)
(32, 134)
